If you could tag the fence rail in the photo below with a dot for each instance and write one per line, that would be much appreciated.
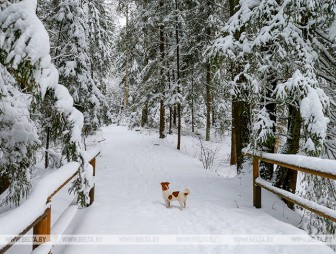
(42, 224)
(259, 183)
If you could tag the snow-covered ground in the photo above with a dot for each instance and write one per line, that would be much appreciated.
(128, 202)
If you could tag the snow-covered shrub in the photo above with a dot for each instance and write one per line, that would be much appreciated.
(134, 120)
(28, 80)
(207, 154)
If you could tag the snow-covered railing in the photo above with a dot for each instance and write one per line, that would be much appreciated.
(35, 212)
(315, 166)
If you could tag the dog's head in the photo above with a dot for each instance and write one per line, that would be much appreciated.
(165, 186)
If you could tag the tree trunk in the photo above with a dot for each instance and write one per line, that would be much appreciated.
(208, 104)
(208, 83)
(287, 178)
(242, 135)
(4, 183)
(162, 107)
(144, 115)
(233, 160)
(178, 77)
(192, 106)
(170, 131)
(175, 116)
(46, 155)
(241, 109)
(126, 94)
(162, 119)
(170, 120)
(267, 169)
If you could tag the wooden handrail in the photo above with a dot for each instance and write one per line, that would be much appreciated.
(307, 204)
(294, 167)
(259, 183)
(25, 231)
(42, 224)
(59, 188)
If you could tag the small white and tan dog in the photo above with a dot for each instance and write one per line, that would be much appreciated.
(168, 195)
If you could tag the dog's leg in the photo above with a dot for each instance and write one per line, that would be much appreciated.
(181, 203)
(167, 203)
(185, 203)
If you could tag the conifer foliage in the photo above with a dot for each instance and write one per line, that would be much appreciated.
(260, 71)
(28, 81)
(52, 88)
(264, 67)
(80, 33)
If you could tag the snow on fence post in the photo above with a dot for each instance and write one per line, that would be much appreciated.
(41, 230)
(256, 188)
(91, 193)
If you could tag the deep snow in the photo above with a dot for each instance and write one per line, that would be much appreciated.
(128, 200)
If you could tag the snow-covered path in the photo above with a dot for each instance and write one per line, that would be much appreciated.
(128, 200)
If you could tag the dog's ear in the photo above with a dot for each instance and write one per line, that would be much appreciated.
(162, 183)
(167, 183)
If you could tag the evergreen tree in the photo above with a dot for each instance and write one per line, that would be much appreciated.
(101, 29)
(80, 34)
(28, 82)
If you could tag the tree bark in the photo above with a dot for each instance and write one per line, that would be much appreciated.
(192, 105)
(174, 115)
(144, 115)
(126, 93)
(46, 155)
(233, 159)
(267, 169)
(178, 77)
(208, 104)
(162, 119)
(162, 107)
(170, 120)
(287, 178)
(242, 135)
(4, 183)
(208, 84)
(241, 109)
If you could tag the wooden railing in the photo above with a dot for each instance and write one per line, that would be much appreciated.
(42, 224)
(259, 183)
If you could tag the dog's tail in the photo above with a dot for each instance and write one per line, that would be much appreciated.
(186, 192)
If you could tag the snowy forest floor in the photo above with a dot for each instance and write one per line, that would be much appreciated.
(128, 199)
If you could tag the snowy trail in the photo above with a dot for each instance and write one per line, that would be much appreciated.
(128, 200)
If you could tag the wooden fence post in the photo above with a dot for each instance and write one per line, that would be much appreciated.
(256, 188)
(41, 230)
(91, 193)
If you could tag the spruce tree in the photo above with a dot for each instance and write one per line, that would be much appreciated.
(29, 82)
